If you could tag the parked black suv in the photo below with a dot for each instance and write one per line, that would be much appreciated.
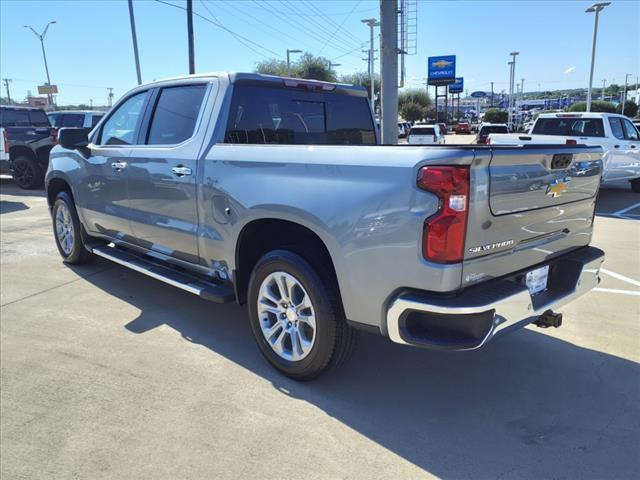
(28, 138)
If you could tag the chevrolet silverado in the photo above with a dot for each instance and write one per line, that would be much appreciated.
(275, 193)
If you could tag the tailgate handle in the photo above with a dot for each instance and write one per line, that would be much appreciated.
(561, 160)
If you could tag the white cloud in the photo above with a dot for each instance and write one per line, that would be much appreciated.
(569, 70)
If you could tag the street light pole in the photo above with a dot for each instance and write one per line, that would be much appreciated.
(596, 7)
(372, 23)
(513, 79)
(624, 95)
(134, 38)
(603, 84)
(289, 60)
(510, 92)
(44, 55)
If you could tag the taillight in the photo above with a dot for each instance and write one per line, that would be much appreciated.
(572, 142)
(444, 233)
(54, 135)
(488, 142)
(5, 141)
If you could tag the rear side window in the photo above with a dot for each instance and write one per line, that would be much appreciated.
(121, 128)
(72, 120)
(265, 115)
(616, 127)
(23, 118)
(570, 127)
(175, 115)
(631, 132)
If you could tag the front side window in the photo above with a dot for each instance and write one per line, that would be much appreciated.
(631, 132)
(175, 115)
(266, 115)
(121, 128)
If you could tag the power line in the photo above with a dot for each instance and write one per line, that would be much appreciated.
(330, 21)
(339, 27)
(242, 39)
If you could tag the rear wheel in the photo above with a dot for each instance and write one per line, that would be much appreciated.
(27, 173)
(296, 317)
(67, 231)
(635, 185)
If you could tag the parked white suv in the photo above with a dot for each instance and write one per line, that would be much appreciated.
(425, 134)
(75, 118)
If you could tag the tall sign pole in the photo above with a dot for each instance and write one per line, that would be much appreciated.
(389, 70)
(134, 38)
(192, 59)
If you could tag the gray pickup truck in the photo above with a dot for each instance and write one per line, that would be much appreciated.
(275, 192)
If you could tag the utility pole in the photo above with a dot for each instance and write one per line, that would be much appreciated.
(603, 84)
(192, 59)
(510, 93)
(624, 95)
(372, 23)
(513, 79)
(134, 37)
(110, 97)
(289, 60)
(491, 94)
(44, 55)
(6, 84)
(389, 70)
(596, 7)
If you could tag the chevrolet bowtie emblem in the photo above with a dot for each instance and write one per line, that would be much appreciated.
(441, 64)
(557, 188)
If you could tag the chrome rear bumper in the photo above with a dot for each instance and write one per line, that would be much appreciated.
(470, 319)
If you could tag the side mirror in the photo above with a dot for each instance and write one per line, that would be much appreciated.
(73, 138)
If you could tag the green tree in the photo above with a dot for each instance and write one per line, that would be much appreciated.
(414, 95)
(494, 115)
(412, 112)
(315, 68)
(272, 67)
(307, 66)
(630, 108)
(362, 78)
(596, 106)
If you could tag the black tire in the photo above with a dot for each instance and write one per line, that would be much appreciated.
(635, 185)
(27, 173)
(334, 339)
(77, 254)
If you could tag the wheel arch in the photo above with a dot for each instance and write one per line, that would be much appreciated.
(260, 236)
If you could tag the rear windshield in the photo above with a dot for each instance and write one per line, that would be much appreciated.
(23, 118)
(569, 127)
(422, 131)
(494, 129)
(265, 115)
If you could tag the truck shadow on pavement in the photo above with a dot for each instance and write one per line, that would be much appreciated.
(529, 405)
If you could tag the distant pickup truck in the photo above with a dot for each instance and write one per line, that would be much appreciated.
(27, 139)
(275, 192)
(616, 134)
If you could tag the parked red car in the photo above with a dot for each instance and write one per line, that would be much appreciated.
(463, 127)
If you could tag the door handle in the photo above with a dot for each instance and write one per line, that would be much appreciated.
(632, 146)
(181, 171)
(616, 146)
(119, 165)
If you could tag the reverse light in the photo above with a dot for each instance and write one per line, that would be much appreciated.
(444, 232)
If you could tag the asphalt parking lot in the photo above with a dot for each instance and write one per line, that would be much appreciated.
(109, 374)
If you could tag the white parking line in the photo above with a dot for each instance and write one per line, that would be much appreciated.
(621, 277)
(614, 290)
(623, 213)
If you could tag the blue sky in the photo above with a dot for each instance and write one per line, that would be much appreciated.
(89, 49)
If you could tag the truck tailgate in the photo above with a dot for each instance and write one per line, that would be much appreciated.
(528, 204)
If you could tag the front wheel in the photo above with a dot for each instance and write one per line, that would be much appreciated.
(296, 317)
(67, 231)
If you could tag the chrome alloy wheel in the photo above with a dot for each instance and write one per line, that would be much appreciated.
(64, 228)
(287, 317)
